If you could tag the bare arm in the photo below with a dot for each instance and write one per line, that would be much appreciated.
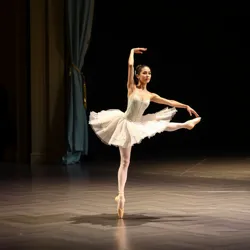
(160, 100)
(130, 82)
(131, 70)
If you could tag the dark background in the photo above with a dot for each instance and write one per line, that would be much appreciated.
(199, 55)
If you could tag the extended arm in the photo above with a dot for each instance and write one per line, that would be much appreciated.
(160, 100)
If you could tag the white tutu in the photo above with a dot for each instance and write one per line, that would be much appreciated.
(124, 129)
(114, 128)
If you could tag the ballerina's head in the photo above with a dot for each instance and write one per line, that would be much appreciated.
(143, 75)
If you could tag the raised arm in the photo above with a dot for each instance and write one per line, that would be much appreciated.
(130, 82)
(160, 100)
(131, 70)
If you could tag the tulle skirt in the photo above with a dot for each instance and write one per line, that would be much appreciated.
(113, 128)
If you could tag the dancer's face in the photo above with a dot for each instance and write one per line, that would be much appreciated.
(144, 76)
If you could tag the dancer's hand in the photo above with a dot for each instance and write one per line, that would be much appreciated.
(139, 50)
(192, 111)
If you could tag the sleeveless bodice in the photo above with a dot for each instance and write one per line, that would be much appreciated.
(135, 108)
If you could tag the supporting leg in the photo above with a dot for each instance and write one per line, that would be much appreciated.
(125, 154)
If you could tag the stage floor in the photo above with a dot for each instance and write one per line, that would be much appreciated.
(200, 203)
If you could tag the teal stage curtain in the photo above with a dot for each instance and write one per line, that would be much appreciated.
(79, 17)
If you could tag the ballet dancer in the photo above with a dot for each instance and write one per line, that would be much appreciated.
(124, 129)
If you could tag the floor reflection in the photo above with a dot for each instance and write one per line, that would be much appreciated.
(122, 240)
(76, 171)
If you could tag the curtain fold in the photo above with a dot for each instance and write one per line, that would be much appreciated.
(79, 18)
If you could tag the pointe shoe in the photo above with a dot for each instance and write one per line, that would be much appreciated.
(190, 124)
(120, 211)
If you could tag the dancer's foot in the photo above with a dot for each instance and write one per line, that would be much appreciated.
(191, 123)
(120, 199)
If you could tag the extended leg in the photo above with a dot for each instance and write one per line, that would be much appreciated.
(172, 126)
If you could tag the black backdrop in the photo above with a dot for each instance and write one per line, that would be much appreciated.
(199, 55)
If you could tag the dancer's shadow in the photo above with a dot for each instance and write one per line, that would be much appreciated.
(130, 219)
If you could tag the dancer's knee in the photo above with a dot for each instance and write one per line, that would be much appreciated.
(125, 157)
(125, 163)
